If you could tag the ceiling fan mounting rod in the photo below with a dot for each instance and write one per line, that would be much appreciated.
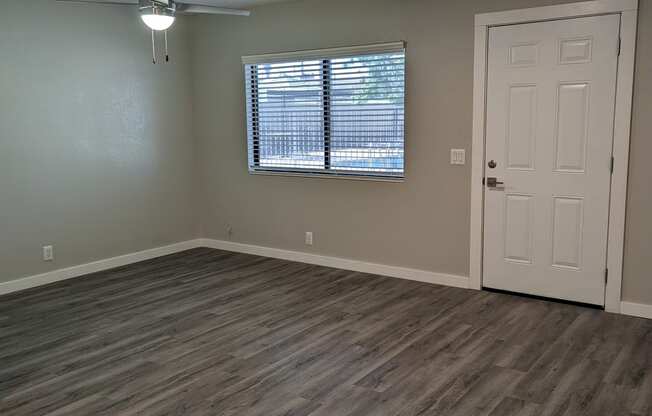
(157, 7)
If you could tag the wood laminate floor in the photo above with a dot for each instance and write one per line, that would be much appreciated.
(207, 332)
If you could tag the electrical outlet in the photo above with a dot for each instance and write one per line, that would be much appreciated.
(48, 253)
(309, 238)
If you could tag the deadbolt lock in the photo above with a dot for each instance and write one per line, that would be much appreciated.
(493, 183)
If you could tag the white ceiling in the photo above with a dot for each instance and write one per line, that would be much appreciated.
(235, 4)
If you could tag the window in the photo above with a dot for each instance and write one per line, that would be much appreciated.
(329, 112)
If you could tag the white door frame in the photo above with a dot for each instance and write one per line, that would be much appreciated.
(628, 10)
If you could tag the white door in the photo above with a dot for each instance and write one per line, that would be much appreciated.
(550, 114)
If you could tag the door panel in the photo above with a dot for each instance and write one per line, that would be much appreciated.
(571, 132)
(550, 112)
(522, 117)
(567, 232)
(518, 231)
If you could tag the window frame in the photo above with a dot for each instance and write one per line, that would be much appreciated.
(325, 56)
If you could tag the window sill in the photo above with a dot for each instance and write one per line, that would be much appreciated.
(351, 177)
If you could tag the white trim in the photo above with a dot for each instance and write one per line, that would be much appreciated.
(626, 308)
(97, 266)
(560, 11)
(628, 12)
(636, 309)
(324, 53)
(477, 156)
(622, 125)
(336, 262)
(340, 263)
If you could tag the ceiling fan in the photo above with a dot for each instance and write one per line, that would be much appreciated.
(159, 15)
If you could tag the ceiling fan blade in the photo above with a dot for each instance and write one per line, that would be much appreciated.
(209, 3)
(187, 8)
(183, 6)
(110, 2)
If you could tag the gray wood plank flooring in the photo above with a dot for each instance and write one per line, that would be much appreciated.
(207, 332)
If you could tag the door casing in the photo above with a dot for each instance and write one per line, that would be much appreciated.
(628, 11)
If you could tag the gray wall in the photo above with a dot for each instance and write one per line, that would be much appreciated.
(96, 144)
(422, 223)
(97, 153)
(637, 285)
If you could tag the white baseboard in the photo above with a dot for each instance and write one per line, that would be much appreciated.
(636, 309)
(97, 266)
(627, 308)
(336, 262)
(340, 263)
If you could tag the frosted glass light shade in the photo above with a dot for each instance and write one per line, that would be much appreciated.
(158, 21)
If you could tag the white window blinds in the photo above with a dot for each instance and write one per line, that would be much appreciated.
(331, 112)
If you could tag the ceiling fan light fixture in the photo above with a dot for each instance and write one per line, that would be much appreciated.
(157, 21)
(157, 15)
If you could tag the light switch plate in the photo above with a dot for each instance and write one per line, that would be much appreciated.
(458, 156)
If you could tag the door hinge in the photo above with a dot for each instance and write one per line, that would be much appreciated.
(611, 168)
(618, 50)
(606, 276)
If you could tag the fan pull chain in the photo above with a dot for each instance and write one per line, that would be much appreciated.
(167, 56)
(153, 48)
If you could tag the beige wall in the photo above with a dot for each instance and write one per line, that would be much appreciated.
(96, 144)
(422, 223)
